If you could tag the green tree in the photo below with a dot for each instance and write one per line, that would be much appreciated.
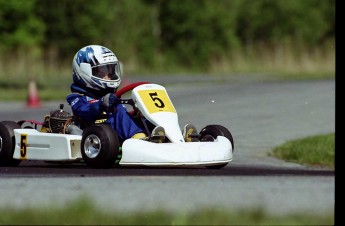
(270, 21)
(73, 24)
(122, 25)
(193, 32)
(151, 34)
(20, 27)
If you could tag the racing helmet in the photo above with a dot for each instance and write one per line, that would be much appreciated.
(96, 67)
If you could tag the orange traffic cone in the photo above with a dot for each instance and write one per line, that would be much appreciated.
(33, 100)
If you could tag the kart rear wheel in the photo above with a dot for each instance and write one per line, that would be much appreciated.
(7, 143)
(99, 146)
(210, 133)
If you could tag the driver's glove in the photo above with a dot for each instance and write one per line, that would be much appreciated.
(109, 101)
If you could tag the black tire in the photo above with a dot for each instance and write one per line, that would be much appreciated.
(99, 146)
(7, 143)
(210, 133)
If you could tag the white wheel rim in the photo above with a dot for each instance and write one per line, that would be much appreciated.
(92, 146)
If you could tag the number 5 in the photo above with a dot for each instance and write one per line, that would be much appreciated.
(158, 102)
(23, 143)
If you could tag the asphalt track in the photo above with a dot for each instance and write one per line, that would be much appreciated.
(260, 115)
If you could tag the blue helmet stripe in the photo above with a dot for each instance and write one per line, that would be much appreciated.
(87, 56)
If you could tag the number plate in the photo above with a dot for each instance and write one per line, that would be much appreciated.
(156, 101)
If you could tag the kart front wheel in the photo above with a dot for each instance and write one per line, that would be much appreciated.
(99, 146)
(210, 134)
(7, 143)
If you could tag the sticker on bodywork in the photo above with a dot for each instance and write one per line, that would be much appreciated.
(23, 146)
(156, 101)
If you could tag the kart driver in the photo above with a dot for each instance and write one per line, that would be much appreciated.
(96, 77)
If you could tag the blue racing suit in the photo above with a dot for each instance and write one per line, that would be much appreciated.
(89, 108)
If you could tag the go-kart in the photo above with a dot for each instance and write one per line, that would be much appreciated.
(64, 138)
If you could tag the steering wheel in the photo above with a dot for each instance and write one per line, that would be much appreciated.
(126, 89)
(129, 87)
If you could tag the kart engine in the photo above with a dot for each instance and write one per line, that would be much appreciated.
(59, 120)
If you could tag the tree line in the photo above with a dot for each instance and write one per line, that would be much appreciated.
(191, 33)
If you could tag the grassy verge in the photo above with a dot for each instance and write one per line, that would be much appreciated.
(312, 151)
(261, 63)
(82, 212)
(22, 94)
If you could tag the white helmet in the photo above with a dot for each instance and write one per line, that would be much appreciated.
(92, 63)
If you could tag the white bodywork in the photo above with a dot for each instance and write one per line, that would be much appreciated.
(34, 145)
(176, 154)
(154, 103)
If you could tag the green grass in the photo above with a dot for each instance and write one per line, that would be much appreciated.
(22, 94)
(316, 151)
(83, 212)
(280, 63)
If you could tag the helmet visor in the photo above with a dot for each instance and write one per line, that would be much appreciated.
(107, 71)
